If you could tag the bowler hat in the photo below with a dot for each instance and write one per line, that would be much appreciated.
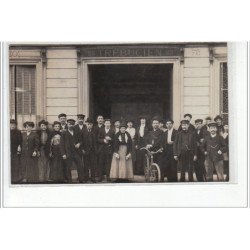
(88, 120)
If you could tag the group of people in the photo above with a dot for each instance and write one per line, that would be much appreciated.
(112, 152)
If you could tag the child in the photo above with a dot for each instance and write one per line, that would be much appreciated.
(185, 150)
(29, 149)
(213, 147)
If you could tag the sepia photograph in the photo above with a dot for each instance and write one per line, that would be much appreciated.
(119, 113)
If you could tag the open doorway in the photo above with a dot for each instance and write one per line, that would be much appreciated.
(126, 91)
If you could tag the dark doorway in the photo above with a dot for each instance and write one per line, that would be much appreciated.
(125, 91)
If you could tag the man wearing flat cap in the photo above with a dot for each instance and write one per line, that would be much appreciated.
(15, 151)
(191, 127)
(213, 148)
(43, 150)
(63, 120)
(71, 151)
(185, 150)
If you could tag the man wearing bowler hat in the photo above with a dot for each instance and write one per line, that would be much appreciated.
(71, 151)
(185, 150)
(213, 148)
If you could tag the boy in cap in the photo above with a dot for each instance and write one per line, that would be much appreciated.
(43, 151)
(71, 151)
(168, 156)
(105, 141)
(15, 150)
(63, 120)
(213, 147)
(89, 150)
(199, 137)
(185, 150)
(29, 149)
(220, 129)
(191, 127)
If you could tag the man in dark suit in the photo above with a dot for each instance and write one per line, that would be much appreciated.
(213, 148)
(170, 164)
(15, 151)
(155, 143)
(105, 149)
(199, 137)
(191, 127)
(185, 150)
(89, 150)
(71, 151)
(220, 128)
(63, 120)
(141, 134)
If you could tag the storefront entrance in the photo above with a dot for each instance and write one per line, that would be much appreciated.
(126, 91)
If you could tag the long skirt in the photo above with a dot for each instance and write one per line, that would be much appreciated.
(29, 168)
(121, 168)
(56, 167)
(43, 166)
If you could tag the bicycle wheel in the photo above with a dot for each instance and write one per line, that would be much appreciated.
(146, 164)
(154, 173)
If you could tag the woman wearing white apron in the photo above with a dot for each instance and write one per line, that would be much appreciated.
(121, 166)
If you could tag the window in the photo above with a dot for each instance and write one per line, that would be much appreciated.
(22, 93)
(224, 92)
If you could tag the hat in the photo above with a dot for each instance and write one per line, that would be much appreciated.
(43, 122)
(198, 120)
(13, 121)
(62, 115)
(105, 120)
(142, 117)
(212, 124)
(56, 122)
(184, 122)
(71, 121)
(30, 124)
(208, 118)
(217, 118)
(156, 118)
(123, 125)
(170, 120)
(80, 116)
(88, 120)
(188, 115)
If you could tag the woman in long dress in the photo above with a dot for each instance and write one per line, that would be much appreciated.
(56, 173)
(121, 166)
(131, 130)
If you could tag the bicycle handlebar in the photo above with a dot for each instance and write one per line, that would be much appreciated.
(152, 152)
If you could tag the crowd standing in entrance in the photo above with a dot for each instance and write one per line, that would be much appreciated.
(111, 153)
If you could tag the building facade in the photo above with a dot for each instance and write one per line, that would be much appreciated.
(118, 80)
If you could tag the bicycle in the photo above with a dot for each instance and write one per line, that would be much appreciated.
(152, 171)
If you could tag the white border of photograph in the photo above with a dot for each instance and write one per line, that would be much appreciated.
(232, 194)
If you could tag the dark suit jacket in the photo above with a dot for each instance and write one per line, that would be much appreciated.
(78, 130)
(192, 146)
(168, 148)
(15, 140)
(30, 144)
(141, 141)
(155, 138)
(212, 145)
(89, 143)
(103, 147)
(67, 144)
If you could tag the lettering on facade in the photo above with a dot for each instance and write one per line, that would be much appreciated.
(131, 52)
